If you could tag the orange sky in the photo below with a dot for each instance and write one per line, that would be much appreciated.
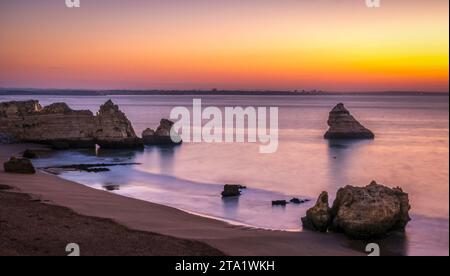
(203, 44)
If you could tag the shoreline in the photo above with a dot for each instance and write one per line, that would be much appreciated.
(154, 218)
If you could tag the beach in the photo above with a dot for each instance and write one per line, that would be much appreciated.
(153, 218)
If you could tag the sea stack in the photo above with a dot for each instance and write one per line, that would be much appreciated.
(361, 212)
(63, 128)
(161, 137)
(344, 126)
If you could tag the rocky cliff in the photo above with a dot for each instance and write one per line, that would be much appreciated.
(344, 126)
(361, 212)
(57, 123)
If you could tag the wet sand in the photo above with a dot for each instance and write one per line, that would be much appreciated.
(143, 216)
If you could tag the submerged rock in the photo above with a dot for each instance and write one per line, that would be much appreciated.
(362, 213)
(63, 128)
(162, 135)
(298, 201)
(344, 126)
(19, 165)
(318, 218)
(279, 203)
(111, 187)
(231, 190)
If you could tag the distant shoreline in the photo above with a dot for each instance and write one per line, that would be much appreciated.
(81, 92)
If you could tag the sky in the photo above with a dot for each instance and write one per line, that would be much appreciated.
(330, 45)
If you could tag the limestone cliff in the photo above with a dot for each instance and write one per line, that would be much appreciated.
(28, 121)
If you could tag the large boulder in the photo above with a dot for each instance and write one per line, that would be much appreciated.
(162, 135)
(318, 218)
(19, 165)
(344, 126)
(370, 211)
(365, 212)
(60, 126)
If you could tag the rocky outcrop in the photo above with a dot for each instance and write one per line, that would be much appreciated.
(344, 126)
(318, 218)
(62, 127)
(231, 190)
(162, 135)
(366, 212)
(19, 165)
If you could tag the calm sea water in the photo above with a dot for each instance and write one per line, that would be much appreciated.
(411, 151)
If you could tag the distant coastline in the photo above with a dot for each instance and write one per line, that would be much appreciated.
(82, 92)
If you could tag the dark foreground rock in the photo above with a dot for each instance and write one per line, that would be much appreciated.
(344, 126)
(231, 190)
(19, 165)
(63, 128)
(318, 218)
(364, 213)
(161, 137)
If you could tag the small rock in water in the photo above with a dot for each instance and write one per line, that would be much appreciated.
(97, 170)
(112, 187)
(231, 190)
(19, 165)
(279, 203)
(30, 154)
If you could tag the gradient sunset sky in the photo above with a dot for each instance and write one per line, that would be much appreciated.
(332, 45)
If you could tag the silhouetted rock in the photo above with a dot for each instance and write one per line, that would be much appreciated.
(298, 201)
(279, 203)
(19, 165)
(362, 213)
(29, 154)
(344, 126)
(318, 218)
(231, 190)
(162, 135)
(62, 128)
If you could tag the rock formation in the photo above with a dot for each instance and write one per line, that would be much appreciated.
(62, 127)
(19, 165)
(231, 190)
(362, 213)
(162, 135)
(318, 218)
(344, 126)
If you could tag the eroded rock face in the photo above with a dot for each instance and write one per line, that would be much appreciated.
(161, 136)
(318, 218)
(62, 127)
(344, 126)
(364, 213)
(19, 165)
(370, 211)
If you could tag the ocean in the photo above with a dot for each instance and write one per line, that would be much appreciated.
(411, 150)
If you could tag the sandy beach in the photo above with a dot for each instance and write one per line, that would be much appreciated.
(166, 222)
